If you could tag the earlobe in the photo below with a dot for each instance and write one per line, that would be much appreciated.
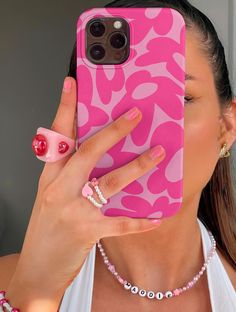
(229, 117)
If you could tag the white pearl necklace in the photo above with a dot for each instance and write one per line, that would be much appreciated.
(158, 295)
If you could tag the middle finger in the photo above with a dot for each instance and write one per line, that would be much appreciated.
(92, 149)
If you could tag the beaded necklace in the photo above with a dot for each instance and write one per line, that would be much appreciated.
(158, 295)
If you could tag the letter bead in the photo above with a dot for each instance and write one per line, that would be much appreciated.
(142, 293)
(134, 289)
(127, 285)
(159, 295)
(168, 294)
(150, 294)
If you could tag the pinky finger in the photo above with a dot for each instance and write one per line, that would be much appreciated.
(117, 226)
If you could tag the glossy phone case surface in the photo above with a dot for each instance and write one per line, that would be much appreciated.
(153, 79)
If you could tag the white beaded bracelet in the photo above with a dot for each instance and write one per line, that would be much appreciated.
(4, 304)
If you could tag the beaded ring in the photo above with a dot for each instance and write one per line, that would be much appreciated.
(87, 192)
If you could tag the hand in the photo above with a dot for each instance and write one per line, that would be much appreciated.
(64, 226)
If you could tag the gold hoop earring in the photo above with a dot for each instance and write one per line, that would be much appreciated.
(224, 152)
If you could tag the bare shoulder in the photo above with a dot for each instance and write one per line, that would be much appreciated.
(229, 269)
(7, 268)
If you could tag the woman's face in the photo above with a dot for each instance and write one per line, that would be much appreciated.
(202, 124)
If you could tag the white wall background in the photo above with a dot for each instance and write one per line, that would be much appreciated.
(223, 15)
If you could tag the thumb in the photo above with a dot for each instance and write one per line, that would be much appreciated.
(117, 226)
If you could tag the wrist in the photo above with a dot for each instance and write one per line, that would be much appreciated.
(32, 299)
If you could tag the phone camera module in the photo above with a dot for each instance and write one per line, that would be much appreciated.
(107, 40)
(97, 29)
(118, 40)
(97, 52)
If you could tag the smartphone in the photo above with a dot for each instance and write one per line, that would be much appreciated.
(135, 57)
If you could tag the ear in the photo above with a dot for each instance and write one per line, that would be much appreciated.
(229, 124)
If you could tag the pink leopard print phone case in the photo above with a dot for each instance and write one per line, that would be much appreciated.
(153, 79)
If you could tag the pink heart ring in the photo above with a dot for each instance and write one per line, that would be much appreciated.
(87, 192)
(51, 146)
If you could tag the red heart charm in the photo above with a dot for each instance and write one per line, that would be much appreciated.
(39, 145)
(63, 147)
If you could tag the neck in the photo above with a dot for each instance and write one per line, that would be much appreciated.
(161, 259)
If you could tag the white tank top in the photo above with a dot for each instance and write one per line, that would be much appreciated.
(78, 295)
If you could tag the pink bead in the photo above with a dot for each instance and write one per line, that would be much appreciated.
(2, 292)
(190, 284)
(112, 268)
(120, 279)
(15, 310)
(94, 181)
(176, 292)
(3, 301)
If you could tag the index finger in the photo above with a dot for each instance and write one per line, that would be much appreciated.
(64, 123)
(93, 148)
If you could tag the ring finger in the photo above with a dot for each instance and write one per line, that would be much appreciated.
(114, 181)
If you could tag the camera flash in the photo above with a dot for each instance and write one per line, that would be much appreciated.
(117, 24)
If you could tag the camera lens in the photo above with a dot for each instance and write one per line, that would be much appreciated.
(97, 29)
(97, 52)
(118, 40)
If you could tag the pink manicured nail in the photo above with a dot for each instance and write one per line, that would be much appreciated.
(132, 113)
(67, 85)
(156, 152)
(156, 221)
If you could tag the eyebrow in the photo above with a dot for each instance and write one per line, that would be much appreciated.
(190, 77)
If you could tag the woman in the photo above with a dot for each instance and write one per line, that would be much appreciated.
(59, 259)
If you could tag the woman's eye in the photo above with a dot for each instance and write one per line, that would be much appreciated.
(188, 99)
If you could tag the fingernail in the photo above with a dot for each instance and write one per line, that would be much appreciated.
(156, 151)
(67, 85)
(132, 113)
(156, 221)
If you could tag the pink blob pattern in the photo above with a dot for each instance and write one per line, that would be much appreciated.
(107, 93)
(96, 115)
(156, 54)
(163, 22)
(105, 86)
(160, 209)
(147, 104)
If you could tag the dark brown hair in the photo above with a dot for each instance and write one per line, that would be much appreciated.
(217, 208)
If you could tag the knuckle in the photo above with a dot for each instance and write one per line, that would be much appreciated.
(142, 163)
(111, 182)
(63, 102)
(49, 196)
(122, 226)
(117, 128)
(128, 226)
(138, 227)
(85, 148)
